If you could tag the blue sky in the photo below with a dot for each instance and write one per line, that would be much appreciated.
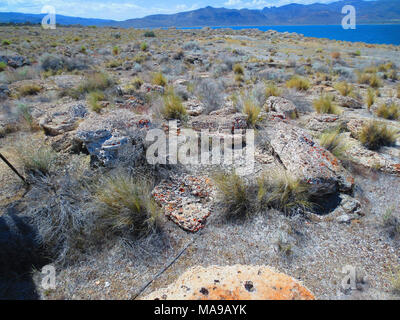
(126, 9)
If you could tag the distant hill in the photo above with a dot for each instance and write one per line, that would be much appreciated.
(15, 17)
(368, 12)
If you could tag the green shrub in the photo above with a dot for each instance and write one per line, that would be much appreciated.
(390, 112)
(159, 79)
(115, 51)
(375, 135)
(3, 66)
(149, 34)
(6, 42)
(144, 46)
(284, 192)
(126, 205)
(252, 112)
(173, 107)
(325, 104)
(238, 69)
(299, 83)
(234, 194)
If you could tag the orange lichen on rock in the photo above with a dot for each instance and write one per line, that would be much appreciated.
(239, 282)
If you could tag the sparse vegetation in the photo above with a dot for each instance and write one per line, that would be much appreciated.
(390, 112)
(299, 83)
(126, 205)
(272, 90)
(93, 100)
(96, 82)
(159, 79)
(36, 158)
(370, 78)
(335, 142)
(375, 135)
(3, 66)
(238, 69)
(173, 107)
(326, 104)
(344, 88)
(234, 194)
(29, 90)
(370, 100)
(284, 192)
(252, 112)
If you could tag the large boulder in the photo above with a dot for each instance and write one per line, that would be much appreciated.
(239, 282)
(307, 160)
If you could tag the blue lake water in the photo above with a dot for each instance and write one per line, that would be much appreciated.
(378, 34)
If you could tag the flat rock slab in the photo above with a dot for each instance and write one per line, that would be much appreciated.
(307, 160)
(239, 282)
(186, 200)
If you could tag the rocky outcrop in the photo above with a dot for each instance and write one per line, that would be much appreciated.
(109, 137)
(194, 107)
(239, 282)
(307, 160)
(186, 200)
(349, 102)
(281, 106)
(15, 61)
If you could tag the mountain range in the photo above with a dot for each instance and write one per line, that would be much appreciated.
(368, 12)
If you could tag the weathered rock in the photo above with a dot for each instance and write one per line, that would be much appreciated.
(322, 122)
(4, 91)
(239, 282)
(307, 160)
(221, 123)
(186, 200)
(348, 102)
(59, 122)
(148, 88)
(111, 136)
(281, 106)
(194, 107)
(15, 61)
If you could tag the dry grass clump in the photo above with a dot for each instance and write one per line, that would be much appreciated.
(252, 111)
(334, 142)
(299, 83)
(36, 157)
(370, 99)
(344, 88)
(159, 79)
(173, 107)
(93, 99)
(284, 192)
(235, 194)
(335, 55)
(98, 81)
(238, 69)
(126, 205)
(29, 90)
(398, 91)
(375, 135)
(370, 78)
(137, 83)
(390, 112)
(272, 90)
(325, 104)
(25, 117)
